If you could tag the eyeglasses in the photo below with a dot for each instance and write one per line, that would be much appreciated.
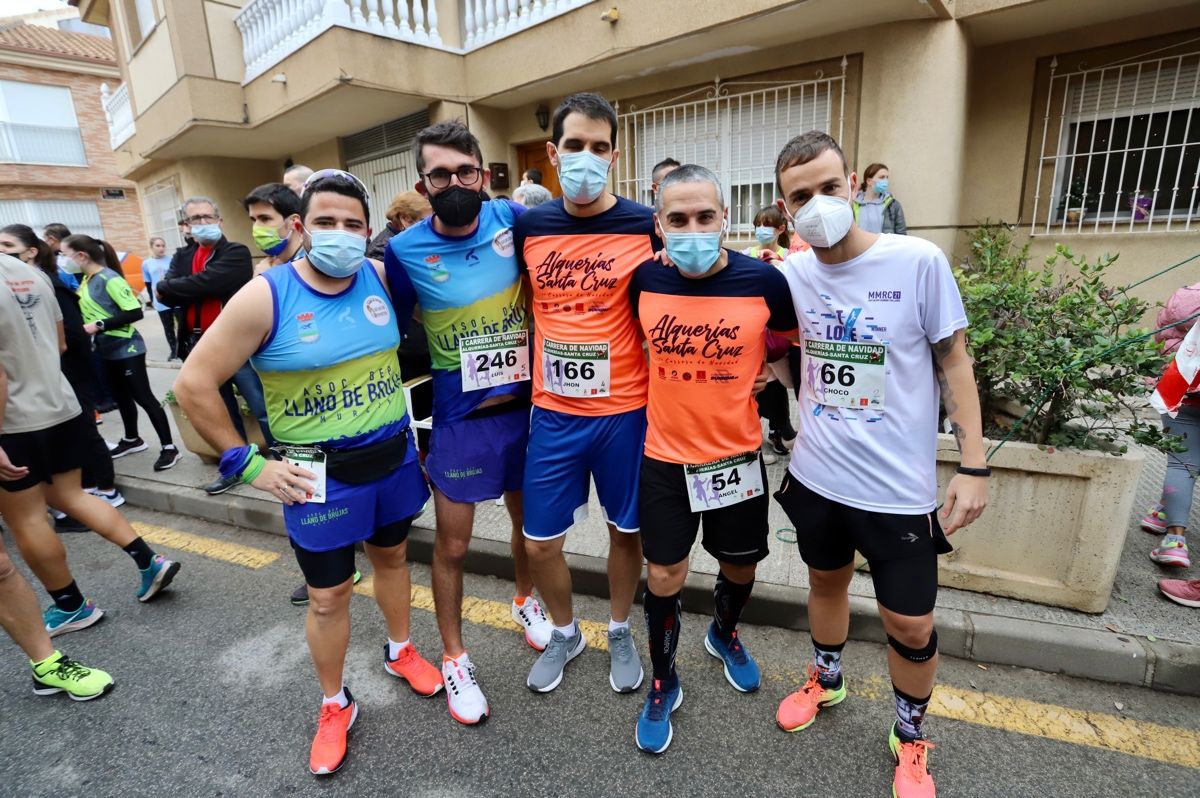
(467, 176)
(206, 218)
(339, 175)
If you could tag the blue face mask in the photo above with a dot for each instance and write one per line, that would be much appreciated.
(881, 186)
(694, 253)
(765, 235)
(337, 253)
(206, 233)
(582, 176)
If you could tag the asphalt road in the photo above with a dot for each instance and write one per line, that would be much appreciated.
(215, 697)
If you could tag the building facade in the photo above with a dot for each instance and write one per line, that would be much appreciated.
(57, 162)
(1077, 123)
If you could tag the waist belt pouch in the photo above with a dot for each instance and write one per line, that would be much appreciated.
(368, 464)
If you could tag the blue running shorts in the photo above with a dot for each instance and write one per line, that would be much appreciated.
(479, 458)
(564, 450)
(352, 513)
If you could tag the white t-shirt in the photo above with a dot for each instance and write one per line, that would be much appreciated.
(39, 396)
(899, 293)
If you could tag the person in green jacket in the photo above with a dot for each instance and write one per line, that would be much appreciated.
(109, 309)
(875, 209)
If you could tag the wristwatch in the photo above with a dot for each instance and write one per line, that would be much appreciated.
(986, 471)
(100, 325)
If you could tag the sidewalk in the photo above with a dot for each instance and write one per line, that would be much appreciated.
(1141, 639)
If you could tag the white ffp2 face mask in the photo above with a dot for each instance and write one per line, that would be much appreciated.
(824, 220)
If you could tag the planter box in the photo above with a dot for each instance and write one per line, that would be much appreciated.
(199, 447)
(1054, 527)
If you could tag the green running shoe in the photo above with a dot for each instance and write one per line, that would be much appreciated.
(61, 674)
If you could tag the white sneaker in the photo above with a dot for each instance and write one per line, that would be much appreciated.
(533, 620)
(114, 498)
(463, 696)
(769, 457)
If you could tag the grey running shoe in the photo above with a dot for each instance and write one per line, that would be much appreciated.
(547, 672)
(625, 671)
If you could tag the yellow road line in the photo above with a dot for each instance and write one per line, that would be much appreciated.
(206, 547)
(1142, 739)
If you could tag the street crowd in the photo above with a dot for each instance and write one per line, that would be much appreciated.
(583, 340)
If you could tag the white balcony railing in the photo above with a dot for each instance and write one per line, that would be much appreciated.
(486, 21)
(274, 29)
(119, 113)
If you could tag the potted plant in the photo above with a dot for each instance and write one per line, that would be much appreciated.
(1063, 374)
(196, 444)
(1075, 201)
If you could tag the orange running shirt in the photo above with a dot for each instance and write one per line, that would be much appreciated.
(587, 350)
(707, 340)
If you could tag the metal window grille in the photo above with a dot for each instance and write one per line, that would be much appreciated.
(80, 216)
(1120, 149)
(161, 202)
(736, 129)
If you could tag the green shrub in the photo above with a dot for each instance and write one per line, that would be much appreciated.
(1057, 346)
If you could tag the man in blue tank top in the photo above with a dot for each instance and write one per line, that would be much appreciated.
(320, 332)
(460, 266)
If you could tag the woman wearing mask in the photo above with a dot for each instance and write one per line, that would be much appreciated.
(875, 209)
(770, 231)
(109, 310)
(22, 243)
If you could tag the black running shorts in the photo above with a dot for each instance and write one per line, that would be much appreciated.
(46, 452)
(325, 569)
(901, 550)
(735, 534)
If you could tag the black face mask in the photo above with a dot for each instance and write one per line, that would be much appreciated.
(456, 206)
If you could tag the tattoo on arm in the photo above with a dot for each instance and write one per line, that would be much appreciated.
(941, 350)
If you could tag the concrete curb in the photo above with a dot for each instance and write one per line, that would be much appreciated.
(1165, 665)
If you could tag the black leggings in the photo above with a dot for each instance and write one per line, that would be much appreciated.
(98, 465)
(130, 386)
(773, 406)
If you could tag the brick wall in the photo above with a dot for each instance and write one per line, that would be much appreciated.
(121, 219)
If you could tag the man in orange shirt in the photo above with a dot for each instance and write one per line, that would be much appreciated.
(589, 381)
(705, 319)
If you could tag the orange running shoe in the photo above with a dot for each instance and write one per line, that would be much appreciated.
(329, 746)
(912, 778)
(799, 710)
(424, 679)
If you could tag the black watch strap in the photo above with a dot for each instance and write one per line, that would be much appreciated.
(986, 471)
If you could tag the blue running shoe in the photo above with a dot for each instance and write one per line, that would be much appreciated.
(59, 622)
(654, 724)
(740, 668)
(156, 578)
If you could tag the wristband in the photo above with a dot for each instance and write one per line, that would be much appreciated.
(235, 459)
(986, 471)
(255, 467)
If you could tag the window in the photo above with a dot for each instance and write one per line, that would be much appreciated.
(162, 214)
(140, 19)
(1121, 148)
(38, 125)
(737, 134)
(80, 216)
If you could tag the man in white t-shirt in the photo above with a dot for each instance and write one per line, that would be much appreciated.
(883, 332)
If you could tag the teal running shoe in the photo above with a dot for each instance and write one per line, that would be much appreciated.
(156, 578)
(59, 622)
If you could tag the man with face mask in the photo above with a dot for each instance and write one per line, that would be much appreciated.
(883, 328)
(460, 266)
(202, 278)
(274, 211)
(321, 331)
(589, 381)
(704, 318)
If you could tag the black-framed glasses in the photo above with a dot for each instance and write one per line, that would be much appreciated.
(203, 218)
(338, 174)
(467, 176)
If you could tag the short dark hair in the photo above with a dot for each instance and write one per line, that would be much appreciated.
(535, 175)
(663, 164)
(56, 230)
(452, 133)
(689, 173)
(804, 148)
(277, 195)
(591, 105)
(333, 185)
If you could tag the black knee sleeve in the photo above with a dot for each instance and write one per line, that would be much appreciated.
(915, 654)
